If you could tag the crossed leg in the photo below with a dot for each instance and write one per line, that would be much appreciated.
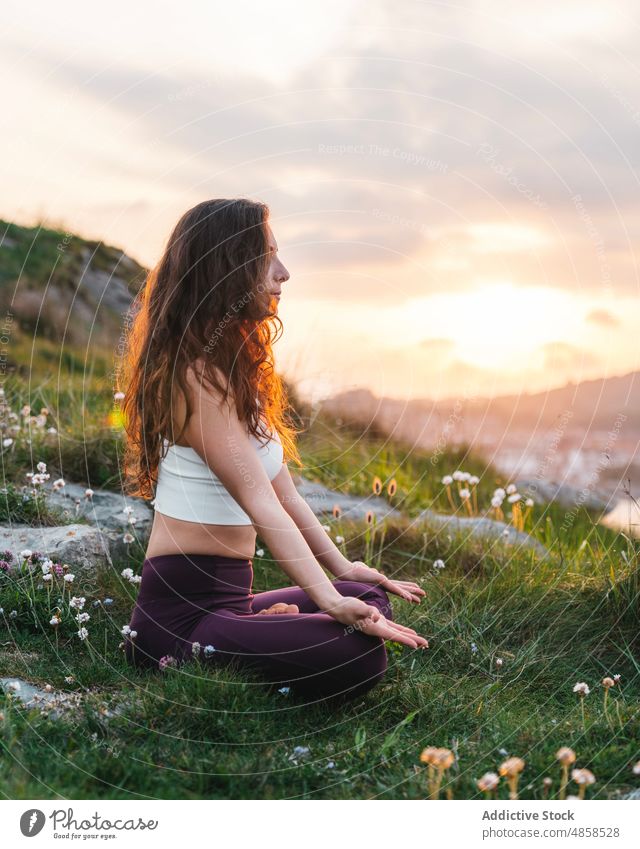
(373, 595)
(309, 650)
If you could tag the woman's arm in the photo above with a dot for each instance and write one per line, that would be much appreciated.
(318, 540)
(324, 549)
(217, 435)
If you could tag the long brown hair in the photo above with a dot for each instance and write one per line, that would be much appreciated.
(205, 300)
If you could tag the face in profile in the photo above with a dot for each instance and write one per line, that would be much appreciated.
(277, 274)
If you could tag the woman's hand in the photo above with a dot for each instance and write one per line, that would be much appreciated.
(364, 617)
(359, 571)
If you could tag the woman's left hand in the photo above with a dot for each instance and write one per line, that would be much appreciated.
(359, 571)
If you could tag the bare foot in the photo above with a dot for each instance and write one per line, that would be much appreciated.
(280, 607)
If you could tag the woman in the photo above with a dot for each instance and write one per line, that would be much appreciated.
(209, 435)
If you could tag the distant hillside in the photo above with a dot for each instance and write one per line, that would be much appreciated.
(64, 289)
(586, 433)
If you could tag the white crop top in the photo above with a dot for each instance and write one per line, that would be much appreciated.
(188, 488)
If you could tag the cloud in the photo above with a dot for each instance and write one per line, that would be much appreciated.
(431, 121)
(562, 355)
(603, 317)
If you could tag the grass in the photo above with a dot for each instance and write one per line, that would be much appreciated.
(197, 732)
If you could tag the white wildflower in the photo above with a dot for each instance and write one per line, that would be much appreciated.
(83, 633)
(582, 688)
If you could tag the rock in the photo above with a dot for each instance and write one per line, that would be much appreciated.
(104, 509)
(322, 500)
(55, 703)
(482, 527)
(547, 492)
(83, 547)
(625, 516)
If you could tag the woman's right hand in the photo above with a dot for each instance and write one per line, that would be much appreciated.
(365, 617)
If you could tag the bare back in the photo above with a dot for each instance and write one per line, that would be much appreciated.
(175, 536)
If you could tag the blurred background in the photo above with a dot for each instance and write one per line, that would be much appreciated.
(453, 189)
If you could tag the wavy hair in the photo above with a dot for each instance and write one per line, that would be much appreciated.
(204, 301)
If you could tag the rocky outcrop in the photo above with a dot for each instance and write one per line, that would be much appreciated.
(548, 492)
(322, 501)
(481, 527)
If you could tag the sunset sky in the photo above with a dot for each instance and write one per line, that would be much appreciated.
(453, 187)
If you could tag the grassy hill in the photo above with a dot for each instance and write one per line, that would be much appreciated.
(62, 299)
(509, 634)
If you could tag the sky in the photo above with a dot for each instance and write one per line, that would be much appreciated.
(453, 186)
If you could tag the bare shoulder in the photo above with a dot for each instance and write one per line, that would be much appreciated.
(202, 389)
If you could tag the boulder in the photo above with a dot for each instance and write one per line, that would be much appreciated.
(104, 509)
(87, 549)
(322, 501)
(482, 527)
(548, 491)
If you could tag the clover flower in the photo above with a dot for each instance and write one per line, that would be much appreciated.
(77, 601)
(488, 782)
(439, 760)
(166, 661)
(566, 756)
(511, 769)
(583, 778)
(83, 633)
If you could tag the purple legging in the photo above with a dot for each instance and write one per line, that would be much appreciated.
(207, 598)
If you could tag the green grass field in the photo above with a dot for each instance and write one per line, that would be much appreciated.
(199, 733)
